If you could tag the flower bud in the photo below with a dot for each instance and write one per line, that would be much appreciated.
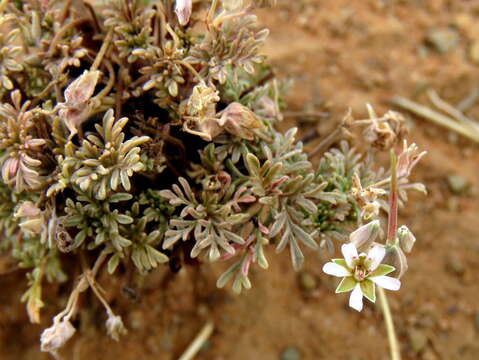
(395, 257)
(364, 236)
(115, 327)
(77, 106)
(406, 238)
(238, 120)
(82, 88)
(183, 11)
(56, 336)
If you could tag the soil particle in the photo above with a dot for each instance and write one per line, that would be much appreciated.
(474, 52)
(307, 281)
(418, 340)
(455, 266)
(476, 320)
(442, 40)
(290, 353)
(458, 184)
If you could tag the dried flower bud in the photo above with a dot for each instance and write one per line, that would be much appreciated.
(28, 209)
(82, 88)
(370, 210)
(56, 336)
(202, 100)
(406, 238)
(115, 327)
(77, 107)
(364, 236)
(408, 158)
(384, 132)
(183, 11)
(238, 120)
(34, 222)
(200, 110)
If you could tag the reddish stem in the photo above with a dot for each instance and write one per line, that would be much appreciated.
(393, 201)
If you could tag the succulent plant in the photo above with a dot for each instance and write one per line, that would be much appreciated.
(128, 133)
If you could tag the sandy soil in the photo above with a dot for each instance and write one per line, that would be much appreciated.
(340, 54)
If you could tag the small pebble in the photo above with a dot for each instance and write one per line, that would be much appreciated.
(474, 52)
(443, 39)
(307, 281)
(136, 319)
(428, 355)
(418, 340)
(290, 353)
(455, 266)
(457, 184)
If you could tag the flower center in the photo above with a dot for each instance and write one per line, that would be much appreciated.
(360, 272)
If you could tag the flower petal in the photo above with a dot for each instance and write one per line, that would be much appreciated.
(347, 284)
(386, 282)
(356, 298)
(350, 253)
(375, 256)
(369, 290)
(331, 268)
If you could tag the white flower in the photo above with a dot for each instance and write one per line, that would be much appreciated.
(360, 273)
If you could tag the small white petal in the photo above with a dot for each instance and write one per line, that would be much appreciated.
(331, 268)
(387, 282)
(356, 298)
(376, 255)
(349, 252)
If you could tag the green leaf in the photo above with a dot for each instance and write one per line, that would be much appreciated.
(113, 263)
(252, 163)
(228, 274)
(347, 284)
(368, 289)
(119, 197)
(382, 269)
(156, 255)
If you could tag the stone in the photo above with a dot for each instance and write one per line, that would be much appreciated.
(307, 281)
(455, 266)
(418, 340)
(442, 40)
(457, 184)
(290, 353)
(474, 52)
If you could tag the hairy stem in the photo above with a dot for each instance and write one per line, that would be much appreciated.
(392, 338)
